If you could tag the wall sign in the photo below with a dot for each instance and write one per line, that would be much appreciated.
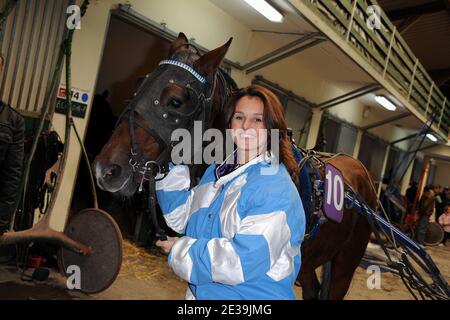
(80, 100)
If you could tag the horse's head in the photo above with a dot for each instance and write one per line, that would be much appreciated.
(178, 92)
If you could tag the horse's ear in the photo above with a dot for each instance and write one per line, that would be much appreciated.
(178, 44)
(209, 62)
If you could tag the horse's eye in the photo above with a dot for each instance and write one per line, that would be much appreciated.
(175, 103)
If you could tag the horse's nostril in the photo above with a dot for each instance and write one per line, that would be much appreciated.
(112, 172)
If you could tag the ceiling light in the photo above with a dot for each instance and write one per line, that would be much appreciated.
(266, 10)
(431, 137)
(385, 103)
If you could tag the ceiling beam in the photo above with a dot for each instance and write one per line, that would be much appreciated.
(428, 146)
(280, 50)
(285, 55)
(348, 96)
(408, 137)
(406, 12)
(386, 121)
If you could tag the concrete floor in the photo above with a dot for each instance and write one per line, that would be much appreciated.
(144, 275)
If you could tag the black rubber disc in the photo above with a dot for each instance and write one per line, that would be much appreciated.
(94, 228)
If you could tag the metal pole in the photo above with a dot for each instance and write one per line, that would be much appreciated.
(285, 55)
(429, 98)
(391, 43)
(442, 112)
(280, 50)
(347, 94)
(413, 78)
(427, 147)
(386, 121)
(383, 168)
(407, 137)
(350, 24)
(347, 97)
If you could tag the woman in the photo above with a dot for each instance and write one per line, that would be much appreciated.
(243, 225)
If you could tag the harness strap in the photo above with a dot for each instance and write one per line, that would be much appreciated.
(185, 67)
(160, 234)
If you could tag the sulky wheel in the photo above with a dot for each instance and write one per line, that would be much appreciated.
(434, 234)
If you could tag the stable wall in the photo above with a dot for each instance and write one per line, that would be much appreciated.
(442, 173)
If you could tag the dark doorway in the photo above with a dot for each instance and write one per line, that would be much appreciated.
(130, 53)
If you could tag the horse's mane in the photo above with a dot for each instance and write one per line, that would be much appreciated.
(229, 80)
(229, 87)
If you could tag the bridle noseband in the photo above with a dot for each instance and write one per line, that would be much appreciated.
(164, 121)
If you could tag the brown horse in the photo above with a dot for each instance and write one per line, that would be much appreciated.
(343, 244)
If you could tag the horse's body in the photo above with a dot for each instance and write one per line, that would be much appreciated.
(343, 244)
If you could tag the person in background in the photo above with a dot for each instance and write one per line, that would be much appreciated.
(441, 202)
(12, 132)
(411, 195)
(426, 209)
(444, 221)
(446, 196)
(384, 199)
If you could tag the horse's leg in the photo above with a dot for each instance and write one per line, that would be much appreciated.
(310, 285)
(324, 293)
(348, 258)
(349, 255)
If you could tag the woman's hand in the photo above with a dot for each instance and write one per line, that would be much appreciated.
(167, 244)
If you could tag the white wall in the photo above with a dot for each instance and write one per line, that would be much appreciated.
(86, 56)
(442, 173)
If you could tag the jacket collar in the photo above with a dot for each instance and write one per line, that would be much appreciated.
(266, 157)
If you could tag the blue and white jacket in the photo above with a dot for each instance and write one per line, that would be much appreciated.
(243, 231)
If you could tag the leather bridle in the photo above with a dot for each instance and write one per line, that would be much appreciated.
(162, 120)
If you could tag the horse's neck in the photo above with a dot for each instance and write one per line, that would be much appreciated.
(225, 86)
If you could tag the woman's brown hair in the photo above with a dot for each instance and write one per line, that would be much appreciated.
(273, 119)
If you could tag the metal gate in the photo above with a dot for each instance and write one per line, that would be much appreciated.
(29, 43)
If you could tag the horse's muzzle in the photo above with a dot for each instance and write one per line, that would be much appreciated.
(110, 177)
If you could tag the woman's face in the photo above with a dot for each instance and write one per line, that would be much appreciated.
(248, 127)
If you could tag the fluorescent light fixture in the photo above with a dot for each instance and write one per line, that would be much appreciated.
(431, 137)
(266, 10)
(385, 103)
